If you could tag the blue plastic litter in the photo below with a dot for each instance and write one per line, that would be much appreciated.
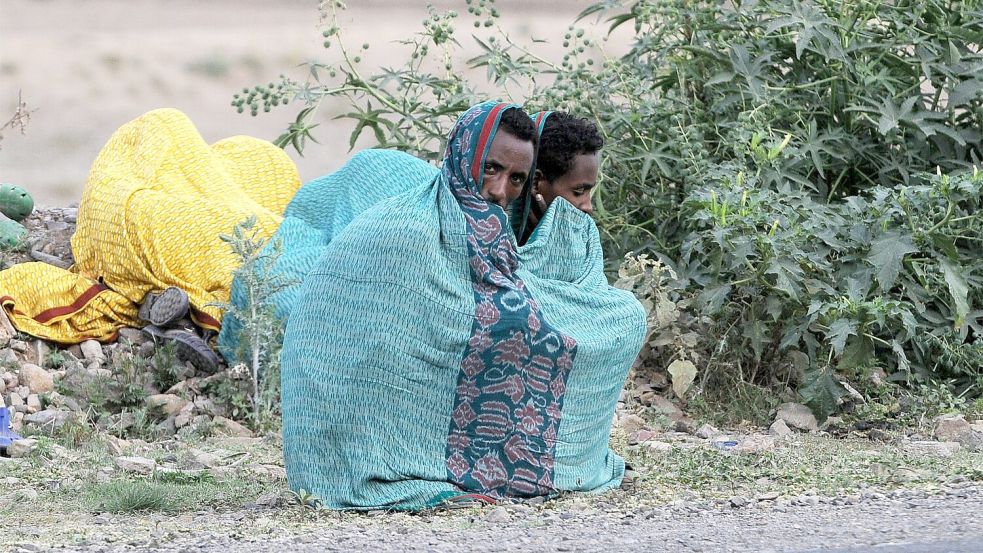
(7, 436)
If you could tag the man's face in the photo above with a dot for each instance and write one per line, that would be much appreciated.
(574, 186)
(506, 168)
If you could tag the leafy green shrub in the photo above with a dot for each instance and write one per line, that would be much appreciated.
(885, 279)
(167, 369)
(772, 153)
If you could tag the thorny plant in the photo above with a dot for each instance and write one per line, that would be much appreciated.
(261, 334)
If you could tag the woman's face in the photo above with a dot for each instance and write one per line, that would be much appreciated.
(574, 186)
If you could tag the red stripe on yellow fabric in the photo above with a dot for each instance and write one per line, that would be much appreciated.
(48, 314)
(205, 320)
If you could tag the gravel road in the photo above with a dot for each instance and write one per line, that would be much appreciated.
(913, 521)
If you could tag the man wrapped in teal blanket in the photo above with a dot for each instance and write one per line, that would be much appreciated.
(427, 357)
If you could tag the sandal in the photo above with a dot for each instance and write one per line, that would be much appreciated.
(161, 309)
(189, 347)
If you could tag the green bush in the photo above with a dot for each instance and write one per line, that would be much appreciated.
(772, 153)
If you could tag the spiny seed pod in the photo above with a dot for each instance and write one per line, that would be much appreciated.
(327, 44)
(358, 59)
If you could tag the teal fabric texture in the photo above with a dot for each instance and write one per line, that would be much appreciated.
(321, 209)
(428, 357)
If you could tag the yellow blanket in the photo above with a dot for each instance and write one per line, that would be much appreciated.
(156, 200)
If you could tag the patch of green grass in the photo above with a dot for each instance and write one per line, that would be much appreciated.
(133, 496)
(171, 493)
(793, 467)
(55, 360)
(736, 403)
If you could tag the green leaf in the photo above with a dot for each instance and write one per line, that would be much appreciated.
(958, 290)
(821, 392)
(886, 255)
(839, 331)
(858, 352)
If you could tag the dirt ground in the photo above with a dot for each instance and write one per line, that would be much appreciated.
(88, 67)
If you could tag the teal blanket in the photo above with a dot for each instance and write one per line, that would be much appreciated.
(426, 357)
(321, 209)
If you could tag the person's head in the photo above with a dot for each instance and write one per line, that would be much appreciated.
(567, 163)
(510, 157)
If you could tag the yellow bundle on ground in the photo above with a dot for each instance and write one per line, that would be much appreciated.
(155, 204)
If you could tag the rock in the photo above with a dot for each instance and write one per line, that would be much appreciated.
(644, 435)
(230, 427)
(139, 465)
(37, 379)
(184, 388)
(17, 423)
(208, 460)
(954, 428)
(64, 402)
(14, 400)
(684, 424)
(497, 515)
(631, 423)
(7, 331)
(92, 351)
(659, 447)
(183, 419)
(738, 502)
(768, 496)
(206, 406)
(166, 427)
(33, 403)
(797, 416)
(666, 407)
(146, 350)
(10, 380)
(116, 445)
(22, 448)
(134, 336)
(49, 419)
(933, 449)
(168, 404)
(779, 429)
(98, 372)
(19, 346)
(707, 431)
(71, 214)
(25, 494)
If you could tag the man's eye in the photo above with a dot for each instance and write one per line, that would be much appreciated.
(489, 168)
(578, 193)
(518, 179)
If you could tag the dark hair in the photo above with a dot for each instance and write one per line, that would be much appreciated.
(517, 122)
(564, 137)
